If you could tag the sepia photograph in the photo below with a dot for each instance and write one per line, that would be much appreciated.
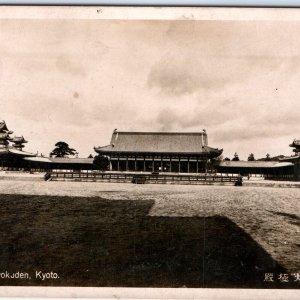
(150, 147)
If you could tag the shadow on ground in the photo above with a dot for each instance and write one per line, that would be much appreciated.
(292, 218)
(97, 242)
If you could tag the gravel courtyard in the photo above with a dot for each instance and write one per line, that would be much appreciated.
(109, 234)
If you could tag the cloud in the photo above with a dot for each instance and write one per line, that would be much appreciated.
(172, 78)
(42, 108)
(78, 80)
(176, 75)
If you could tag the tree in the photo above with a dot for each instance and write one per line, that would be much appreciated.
(226, 159)
(215, 162)
(101, 162)
(236, 157)
(62, 149)
(218, 159)
(268, 158)
(251, 157)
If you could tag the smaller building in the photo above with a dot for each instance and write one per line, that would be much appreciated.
(294, 159)
(270, 169)
(18, 142)
(296, 145)
(62, 163)
(4, 135)
(11, 156)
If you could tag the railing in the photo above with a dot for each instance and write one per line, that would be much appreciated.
(140, 178)
(281, 177)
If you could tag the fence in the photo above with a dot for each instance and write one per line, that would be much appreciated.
(141, 178)
(281, 177)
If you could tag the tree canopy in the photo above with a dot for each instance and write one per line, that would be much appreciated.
(268, 158)
(101, 162)
(62, 149)
(251, 157)
(236, 157)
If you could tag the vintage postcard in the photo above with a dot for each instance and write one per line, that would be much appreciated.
(149, 148)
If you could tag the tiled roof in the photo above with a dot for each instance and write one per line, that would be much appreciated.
(22, 153)
(60, 160)
(162, 142)
(254, 164)
(3, 126)
(68, 160)
(291, 158)
(4, 135)
(18, 139)
(296, 143)
(16, 152)
(38, 159)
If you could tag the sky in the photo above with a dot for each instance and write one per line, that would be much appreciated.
(78, 80)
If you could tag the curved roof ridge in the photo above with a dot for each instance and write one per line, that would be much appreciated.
(161, 132)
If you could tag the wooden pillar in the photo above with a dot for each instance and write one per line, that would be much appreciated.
(110, 165)
(197, 167)
(188, 166)
(161, 163)
(170, 163)
(135, 164)
(179, 165)
(144, 164)
(118, 166)
(153, 163)
(127, 163)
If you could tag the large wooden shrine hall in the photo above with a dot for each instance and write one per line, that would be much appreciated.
(186, 152)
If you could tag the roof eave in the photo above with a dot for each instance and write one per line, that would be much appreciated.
(111, 151)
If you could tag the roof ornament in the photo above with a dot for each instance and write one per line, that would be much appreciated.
(204, 131)
(115, 130)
